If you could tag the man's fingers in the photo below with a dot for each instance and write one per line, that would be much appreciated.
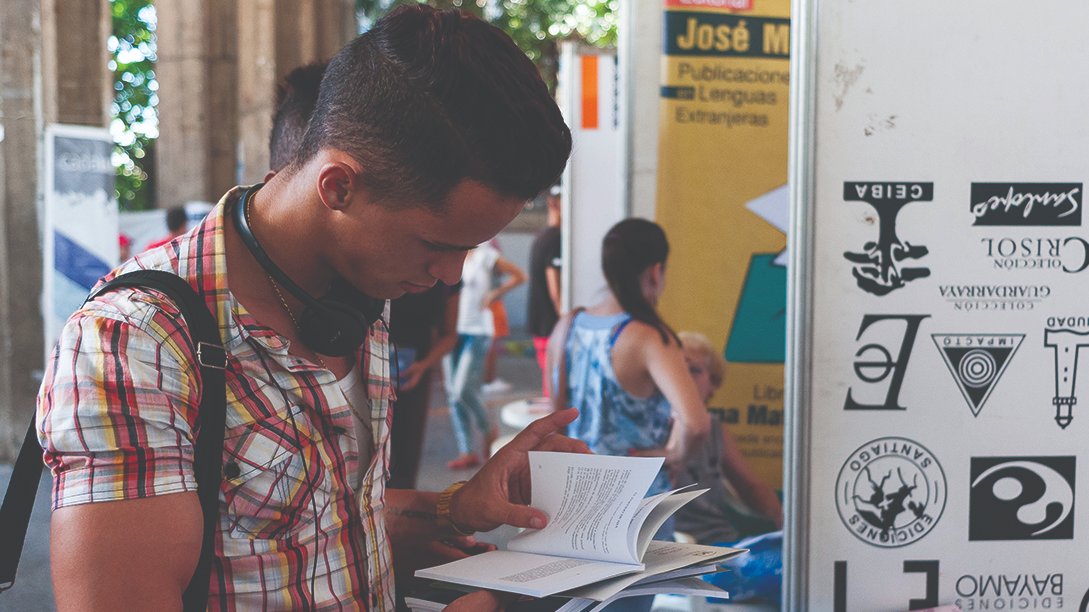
(480, 601)
(562, 444)
(445, 553)
(647, 452)
(540, 429)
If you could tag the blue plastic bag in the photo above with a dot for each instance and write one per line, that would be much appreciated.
(755, 575)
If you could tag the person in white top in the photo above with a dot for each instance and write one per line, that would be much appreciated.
(466, 361)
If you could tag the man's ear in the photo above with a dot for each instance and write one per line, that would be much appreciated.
(336, 184)
(268, 176)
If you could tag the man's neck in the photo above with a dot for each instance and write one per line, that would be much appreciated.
(285, 229)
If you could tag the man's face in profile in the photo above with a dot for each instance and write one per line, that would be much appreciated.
(389, 249)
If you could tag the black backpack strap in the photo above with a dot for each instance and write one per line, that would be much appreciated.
(208, 454)
(18, 504)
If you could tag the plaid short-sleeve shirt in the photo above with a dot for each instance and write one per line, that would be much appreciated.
(116, 415)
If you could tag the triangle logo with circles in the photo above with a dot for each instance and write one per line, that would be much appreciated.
(976, 362)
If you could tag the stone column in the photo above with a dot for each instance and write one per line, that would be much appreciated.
(219, 63)
(77, 87)
(275, 37)
(197, 70)
(52, 69)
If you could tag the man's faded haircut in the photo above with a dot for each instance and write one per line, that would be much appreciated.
(296, 96)
(428, 98)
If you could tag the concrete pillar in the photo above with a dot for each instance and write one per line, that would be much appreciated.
(53, 68)
(257, 74)
(197, 71)
(277, 37)
(20, 254)
(219, 63)
(77, 87)
(641, 73)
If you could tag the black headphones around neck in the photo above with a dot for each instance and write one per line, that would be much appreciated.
(335, 324)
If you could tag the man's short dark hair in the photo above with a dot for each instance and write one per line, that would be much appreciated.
(176, 219)
(428, 98)
(296, 96)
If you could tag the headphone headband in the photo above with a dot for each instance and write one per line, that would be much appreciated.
(278, 275)
(335, 324)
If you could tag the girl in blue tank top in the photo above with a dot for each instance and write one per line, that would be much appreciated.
(624, 370)
(624, 367)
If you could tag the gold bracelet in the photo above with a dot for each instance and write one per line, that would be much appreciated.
(442, 509)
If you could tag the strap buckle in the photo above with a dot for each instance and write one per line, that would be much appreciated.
(211, 356)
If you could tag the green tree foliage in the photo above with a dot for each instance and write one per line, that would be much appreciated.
(135, 123)
(536, 25)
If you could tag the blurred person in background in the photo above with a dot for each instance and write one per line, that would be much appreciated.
(177, 223)
(124, 247)
(740, 503)
(296, 96)
(545, 304)
(493, 384)
(466, 362)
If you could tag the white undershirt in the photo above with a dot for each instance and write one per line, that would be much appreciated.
(355, 392)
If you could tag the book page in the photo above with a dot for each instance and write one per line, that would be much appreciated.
(590, 501)
(659, 514)
(693, 587)
(661, 558)
(524, 573)
(645, 507)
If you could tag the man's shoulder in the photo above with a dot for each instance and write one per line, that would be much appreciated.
(142, 307)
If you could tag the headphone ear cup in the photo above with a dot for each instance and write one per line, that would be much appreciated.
(334, 329)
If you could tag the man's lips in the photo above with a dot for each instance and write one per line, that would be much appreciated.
(414, 287)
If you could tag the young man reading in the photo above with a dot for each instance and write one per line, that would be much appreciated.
(430, 132)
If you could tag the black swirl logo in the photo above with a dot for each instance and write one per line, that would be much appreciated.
(1021, 498)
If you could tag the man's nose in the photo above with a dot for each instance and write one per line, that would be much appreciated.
(448, 266)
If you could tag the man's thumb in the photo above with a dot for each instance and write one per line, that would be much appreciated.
(525, 516)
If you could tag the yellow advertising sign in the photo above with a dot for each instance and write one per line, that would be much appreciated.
(722, 200)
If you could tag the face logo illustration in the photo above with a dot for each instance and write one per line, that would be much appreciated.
(874, 364)
(890, 492)
(1032, 204)
(976, 362)
(1021, 498)
(877, 269)
(1067, 345)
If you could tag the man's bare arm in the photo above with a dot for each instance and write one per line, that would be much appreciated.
(125, 555)
(552, 278)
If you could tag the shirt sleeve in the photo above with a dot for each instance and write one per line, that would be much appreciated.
(117, 407)
(554, 251)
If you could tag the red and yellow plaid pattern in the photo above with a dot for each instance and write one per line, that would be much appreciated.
(116, 414)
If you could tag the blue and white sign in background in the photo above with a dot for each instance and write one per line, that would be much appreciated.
(80, 220)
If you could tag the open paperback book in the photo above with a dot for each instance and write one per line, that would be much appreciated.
(599, 534)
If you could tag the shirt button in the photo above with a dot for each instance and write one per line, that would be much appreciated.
(231, 470)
